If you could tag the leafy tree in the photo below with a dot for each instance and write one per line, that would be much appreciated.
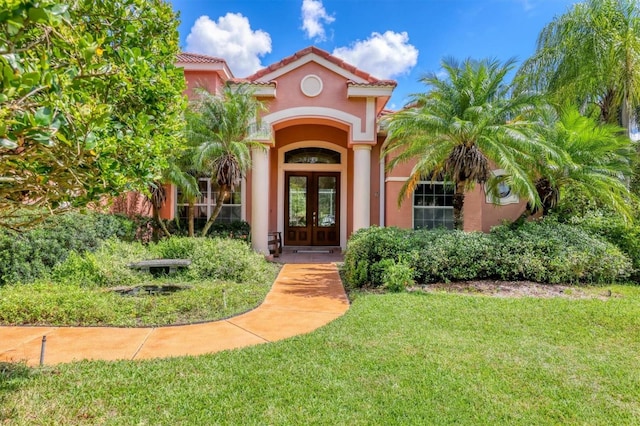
(219, 126)
(465, 124)
(591, 56)
(595, 161)
(90, 101)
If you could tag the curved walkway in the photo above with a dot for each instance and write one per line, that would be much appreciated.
(303, 298)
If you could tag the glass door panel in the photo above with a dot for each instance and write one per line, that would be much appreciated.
(298, 201)
(327, 192)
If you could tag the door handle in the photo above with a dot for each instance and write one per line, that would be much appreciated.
(314, 220)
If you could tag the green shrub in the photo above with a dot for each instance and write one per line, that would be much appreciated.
(237, 229)
(552, 252)
(174, 248)
(544, 251)
(398, 276)
(625, 236)
(106, 267)
(212, 258)
(366, 247)
(225, 259)
(31, 254)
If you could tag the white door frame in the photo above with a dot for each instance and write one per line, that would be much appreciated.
(341, 168)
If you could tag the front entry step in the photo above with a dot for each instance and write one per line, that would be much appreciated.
(312, 249)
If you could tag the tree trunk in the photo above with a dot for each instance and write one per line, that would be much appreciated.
(191, 218)
(219, 200)
(458, 203)
(159, 221)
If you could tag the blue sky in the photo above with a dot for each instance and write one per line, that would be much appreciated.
(397, 39)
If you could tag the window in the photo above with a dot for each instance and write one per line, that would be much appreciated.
(433, 205)
(205, 204)
(312, 156)
(504, 193)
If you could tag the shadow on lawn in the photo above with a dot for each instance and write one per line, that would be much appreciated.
(12, 376)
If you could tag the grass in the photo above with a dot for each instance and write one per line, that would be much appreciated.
(46, 303)
(225, 278)
(409, 358)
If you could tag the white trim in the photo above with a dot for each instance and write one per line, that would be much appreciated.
(342, 168)
(413, 200)
(361, 186)
(260, 200)
(509, 199)
(209, 198)
(258, 90)
(382, 194)
(311, 92)
(312, 57)
(367, 92)
(264, 91)
(357, 134)
(243, 199)
(397, 179)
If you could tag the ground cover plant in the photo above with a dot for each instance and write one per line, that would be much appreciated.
(544, 251)
(405, 358)
(225, 278)
(30, 254)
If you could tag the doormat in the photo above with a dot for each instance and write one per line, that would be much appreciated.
(314, 251)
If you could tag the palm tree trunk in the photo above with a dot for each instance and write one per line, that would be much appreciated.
(219, 200)
(458, 203)
(159, 221)
(191, 218)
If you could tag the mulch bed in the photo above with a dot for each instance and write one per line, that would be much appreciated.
(513, 289)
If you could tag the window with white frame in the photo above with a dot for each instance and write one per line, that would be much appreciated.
(206, 203)
(433, 205)
(504, 194)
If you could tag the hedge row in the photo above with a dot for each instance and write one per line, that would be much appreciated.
(544, 251)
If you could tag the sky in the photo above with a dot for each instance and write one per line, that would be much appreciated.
(402, 40)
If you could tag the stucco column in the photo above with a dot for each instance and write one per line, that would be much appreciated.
(260, 199)
(361, 186)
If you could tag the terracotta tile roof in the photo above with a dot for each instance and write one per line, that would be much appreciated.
(253, 83)
(371, 80)
(196, 58)
(378, 83)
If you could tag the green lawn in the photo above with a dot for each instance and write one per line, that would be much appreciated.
(407, 358)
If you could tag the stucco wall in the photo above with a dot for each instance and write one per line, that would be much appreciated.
(478, 214)
(333, 95)
(206, 79)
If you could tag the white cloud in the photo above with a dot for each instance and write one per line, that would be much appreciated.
(232, 39)
(381, 55)
(313, 17)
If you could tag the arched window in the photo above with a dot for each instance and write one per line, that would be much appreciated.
(312, 156)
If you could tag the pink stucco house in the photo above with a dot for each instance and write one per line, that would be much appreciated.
(321, 177)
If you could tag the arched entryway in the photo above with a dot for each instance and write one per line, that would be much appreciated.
(312, 194)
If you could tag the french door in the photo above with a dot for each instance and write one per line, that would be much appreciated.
(312, 209)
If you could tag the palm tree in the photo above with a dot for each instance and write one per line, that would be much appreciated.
(591, 55)
(467, 123)
(157, 195)
(594, 160)
(219, 128)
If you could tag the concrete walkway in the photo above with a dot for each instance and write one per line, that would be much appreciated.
(303, 298)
